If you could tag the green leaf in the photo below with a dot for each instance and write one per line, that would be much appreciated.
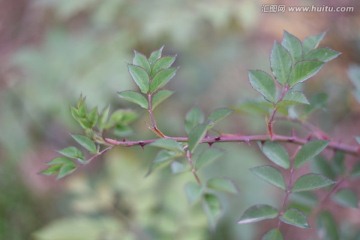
(295, 218)
(178, 167)
(196, 135)
(318, 101)
(212, 207)
(221, 184)
(273, 234)
(160, 96)
(155, 55)
(357, 139)
(59, 161)
(310, 182)
(254, 107)
(322, 54)
(134, 97)
(162, 159)
(208, 156)
(162, 63)
(140, 77)
(121, 117)
(86, 142)
(276, 153)
(293, 45)
(72, 152)
(162, 78)
(193, 192)
(304, 70)
(103, 118)
(309, 151)
(338, 163)
(141, 61)
(322, 166)
(258, 213)
(346, 198)
(93, 117)
(312, 42)
(168, 144)
(295, 97)
(51, 170)
(270, 175)
(263, 83)
(280, 62)
(193, 118)
(74, 113)
(305, 200)
(218, 115)
(355, 171)
(327, 227)
(66, 169)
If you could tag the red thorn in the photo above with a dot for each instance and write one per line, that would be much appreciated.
(210, 144)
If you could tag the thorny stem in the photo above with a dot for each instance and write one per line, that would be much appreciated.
(193, 170)
(154, 126)
(349, 149)
(288, 187)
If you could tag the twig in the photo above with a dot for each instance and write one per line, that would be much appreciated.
(349, 149)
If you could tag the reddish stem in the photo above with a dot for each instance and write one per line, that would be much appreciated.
(349, 149)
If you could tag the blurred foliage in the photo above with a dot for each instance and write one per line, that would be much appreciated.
(71, 47)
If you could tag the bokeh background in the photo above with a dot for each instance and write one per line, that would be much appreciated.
(51, 51)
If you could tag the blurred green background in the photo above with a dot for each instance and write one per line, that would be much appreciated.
(52, 51)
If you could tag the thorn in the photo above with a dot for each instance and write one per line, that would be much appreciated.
(142, 144)
(210, 144)
(217, 139)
